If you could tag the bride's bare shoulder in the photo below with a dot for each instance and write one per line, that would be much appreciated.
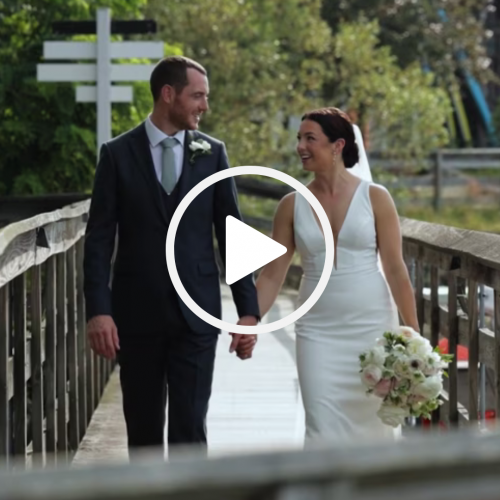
(379, 193)
(289, 199)
(286, 206)
(381, 199)
(383, 205)
(287, 202)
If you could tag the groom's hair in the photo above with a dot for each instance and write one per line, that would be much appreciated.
(172, 71)
(337, 125)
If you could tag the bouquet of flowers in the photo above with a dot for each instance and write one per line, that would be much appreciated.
(406, 373)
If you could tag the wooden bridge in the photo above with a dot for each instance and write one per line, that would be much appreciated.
(60, 404)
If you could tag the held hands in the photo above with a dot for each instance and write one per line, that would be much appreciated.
(244, 343)
(103, 336)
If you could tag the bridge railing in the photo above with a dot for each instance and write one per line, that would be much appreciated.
(455, 466)
(461, 263)
(50, 381)
(450, 267)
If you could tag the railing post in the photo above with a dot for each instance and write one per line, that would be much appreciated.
(81, 341)
(36, 366)
(90, 381)
(50, 363)
(72, 351)
(4, 380)
(435, 321)
(20, 370)
(61, 371)
(419, 294)
(453, 345)
(410, 263)
(473, 351)
(497, 350)
(104, 369)
(97, 379)
(434, 306)
(482, 375)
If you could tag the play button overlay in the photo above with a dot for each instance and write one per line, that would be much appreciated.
(247, 250)
(262, 327)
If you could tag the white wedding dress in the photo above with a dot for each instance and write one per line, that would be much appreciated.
(353, 311)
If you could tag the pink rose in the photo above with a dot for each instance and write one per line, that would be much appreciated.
(382, 388)
(408, 333)
(371, 375)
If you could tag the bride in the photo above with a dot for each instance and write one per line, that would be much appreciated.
(362, 298)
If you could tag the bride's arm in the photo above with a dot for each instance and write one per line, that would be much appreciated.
(272, 276)
(391, 254)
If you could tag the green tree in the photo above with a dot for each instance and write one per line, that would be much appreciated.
(271, 61)
(405, 111)
(48, 140)
(266, 60)
(429, 32)
(268, 63)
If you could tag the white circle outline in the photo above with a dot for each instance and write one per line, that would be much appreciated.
(263, 327)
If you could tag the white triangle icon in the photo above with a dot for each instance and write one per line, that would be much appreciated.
(247, 250)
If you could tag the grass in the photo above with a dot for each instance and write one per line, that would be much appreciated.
(462, 216)
(482, 172)
(257, 207)
(465, 217)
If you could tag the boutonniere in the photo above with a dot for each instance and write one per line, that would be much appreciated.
(199, 147)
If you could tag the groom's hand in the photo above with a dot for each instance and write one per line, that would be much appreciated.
(244, 343)
(103, 336)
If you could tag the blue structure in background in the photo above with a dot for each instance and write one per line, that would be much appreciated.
(477, 94)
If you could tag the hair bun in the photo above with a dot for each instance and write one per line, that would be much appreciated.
(350, 153)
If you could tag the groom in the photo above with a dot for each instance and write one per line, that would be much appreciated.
(165, 352)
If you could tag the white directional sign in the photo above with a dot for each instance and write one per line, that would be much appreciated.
(247, 250)
(103, 72)
(88, 50)
(119, 93)
(88, 72)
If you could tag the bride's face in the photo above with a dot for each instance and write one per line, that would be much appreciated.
(314, 148)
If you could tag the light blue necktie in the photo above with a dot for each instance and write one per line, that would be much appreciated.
(168, 175)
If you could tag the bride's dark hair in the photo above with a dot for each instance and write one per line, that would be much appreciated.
(337, 125)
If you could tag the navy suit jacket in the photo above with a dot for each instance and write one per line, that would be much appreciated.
(127, 198)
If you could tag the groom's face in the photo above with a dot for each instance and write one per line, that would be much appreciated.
(188, 105)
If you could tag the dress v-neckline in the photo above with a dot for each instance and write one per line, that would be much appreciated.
(345, 217)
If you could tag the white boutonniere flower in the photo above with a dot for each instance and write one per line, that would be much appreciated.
(199, 147)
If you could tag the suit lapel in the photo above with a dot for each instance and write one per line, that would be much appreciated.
(185, 180)
(144, 160)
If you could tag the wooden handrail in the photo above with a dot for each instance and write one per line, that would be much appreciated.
(12, 231)
(456, 466)
(48, 374)
(31, 242)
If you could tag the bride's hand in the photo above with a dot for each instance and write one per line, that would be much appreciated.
(244, 343)
(246, 346)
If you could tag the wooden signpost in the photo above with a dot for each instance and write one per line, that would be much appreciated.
(103, 72)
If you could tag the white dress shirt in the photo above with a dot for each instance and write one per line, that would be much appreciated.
(155, 136)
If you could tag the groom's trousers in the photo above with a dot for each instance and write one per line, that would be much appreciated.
(171, 368)
(174, 369)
